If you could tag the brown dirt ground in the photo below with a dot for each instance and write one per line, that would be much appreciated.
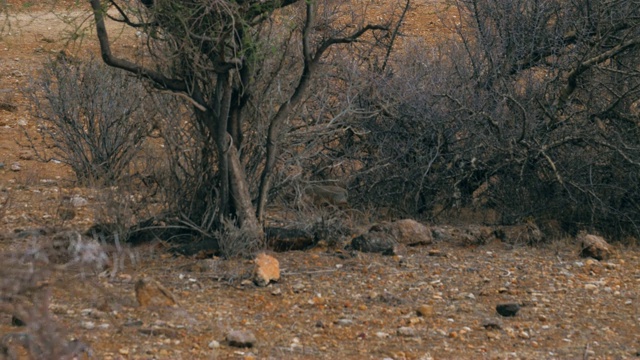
(328, 304)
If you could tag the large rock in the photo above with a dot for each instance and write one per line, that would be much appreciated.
(267, 269)
(593, 246)
(406, 231)
(150, 292)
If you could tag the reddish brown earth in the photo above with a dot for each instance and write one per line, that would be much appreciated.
(328, 304)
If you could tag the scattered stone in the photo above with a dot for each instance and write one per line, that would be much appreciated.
(590, 287)
(26, 155)
(374, 242)
(267, 269)
(276, 292)
(213, 344)
(406, 231)
(406, 332)
(593, 246)
(15, 166)
(344, 322)
(492, 324)
(382, 335)
(88, 325)
(241, 339)
(425, 310)
(297, 287)
(435, 252)
(150, 292)
(78, 201)
(160, 331)
(509, 309)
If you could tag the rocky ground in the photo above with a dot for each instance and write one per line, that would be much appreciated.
(434, 300)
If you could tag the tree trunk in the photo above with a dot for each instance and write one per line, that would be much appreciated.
(240, 194)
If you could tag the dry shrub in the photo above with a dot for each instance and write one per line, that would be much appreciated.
(90, 116)
(502, 117)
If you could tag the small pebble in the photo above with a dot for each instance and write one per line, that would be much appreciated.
(425, 310)
(590, 286)
(406, 332)
(88, 325)
(297, 287)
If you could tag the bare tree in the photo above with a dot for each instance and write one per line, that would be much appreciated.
(212, 52)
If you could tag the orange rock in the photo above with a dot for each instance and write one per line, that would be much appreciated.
(150, 292)
(267, 269)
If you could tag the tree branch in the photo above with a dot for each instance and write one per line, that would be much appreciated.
(160, 80)
(125, 19)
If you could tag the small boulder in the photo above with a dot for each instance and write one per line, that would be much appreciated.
(150, 292)
(593, 246)
(374, 242)
(507, 310)
(267, 269)
(78, 201)
(241, 339)
(406, 231)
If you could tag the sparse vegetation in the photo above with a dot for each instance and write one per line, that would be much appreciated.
(499, 125)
